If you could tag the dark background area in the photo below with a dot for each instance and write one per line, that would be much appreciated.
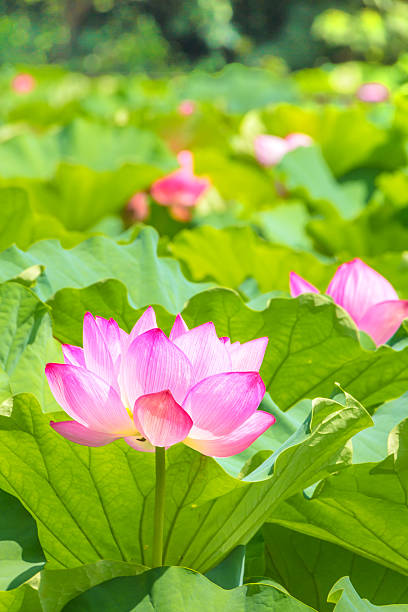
(162, 36)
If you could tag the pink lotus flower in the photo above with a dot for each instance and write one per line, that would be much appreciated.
(373, 92)
(181, 187)
(137, 209)
(23, 83)
(270, 150)
(368, 297)
(186, 108)
(153, 390)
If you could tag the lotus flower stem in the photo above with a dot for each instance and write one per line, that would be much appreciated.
(160, 456)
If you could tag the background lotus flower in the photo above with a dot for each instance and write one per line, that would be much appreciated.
(23, 83)
(368, 297)
(298, 139)
(181, 188)
(186, 108)
(137, 209)
(373, 92)
(153, 390)
(269, 150)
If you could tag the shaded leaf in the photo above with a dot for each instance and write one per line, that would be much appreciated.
(307, 567)
(176, 589)
(362, 508)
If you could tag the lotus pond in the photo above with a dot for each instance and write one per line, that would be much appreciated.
(204, 341)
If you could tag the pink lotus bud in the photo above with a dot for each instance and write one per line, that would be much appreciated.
(269, 150)
(373, 92)
(181, 187)
(137, 209)
(153, 390)
(298, 139)
(186, 107)
(368, 297)
(23, 83)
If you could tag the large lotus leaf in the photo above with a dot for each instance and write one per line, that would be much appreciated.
(59, 586)
(204, 250)
(105, 299)
(362, 508)
(27, 155)
(305, 173)
(230, 572)
(26, 344)
(393, 187)
(150, 279)
(208, 512)
(103, 147)
(21, 316)
(346, 598)
(79, 197)
(378, 229)
(236, 179)
(23, 599)
(176, 589)
(43, 113)
(307, 567)
(233, 254)
(20, 224)
(371, 444)
(286, 224)
(100, 147)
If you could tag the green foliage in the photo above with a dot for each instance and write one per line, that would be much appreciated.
(369, 498)
(181, 590)
(202, 524)
(308, 567)
(319, 496)
(27, 345)
(149, 278)
(232, 255)
(377, 31)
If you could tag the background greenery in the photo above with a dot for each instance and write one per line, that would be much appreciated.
(159, 36)
(313, 516)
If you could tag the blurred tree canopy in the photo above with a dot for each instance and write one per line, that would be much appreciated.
(161, 35)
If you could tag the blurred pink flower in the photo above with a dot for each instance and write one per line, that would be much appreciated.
(373, 92)
(181, 187)
(269, 150)
(298, 139)
(137, 209)
(181, 213)
(368, 297)
(23, 83)
(186, 107)
(153, 390)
